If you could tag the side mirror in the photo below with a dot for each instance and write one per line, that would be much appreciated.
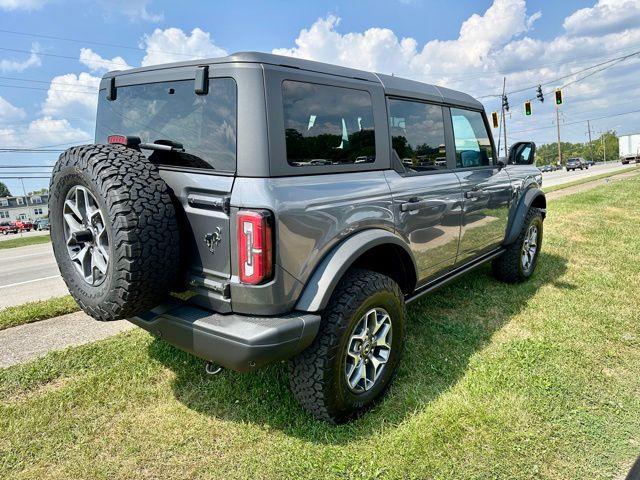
(522, 153)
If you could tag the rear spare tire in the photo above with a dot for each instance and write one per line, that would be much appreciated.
(113, 229)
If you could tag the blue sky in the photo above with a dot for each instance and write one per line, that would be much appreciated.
(466, 45)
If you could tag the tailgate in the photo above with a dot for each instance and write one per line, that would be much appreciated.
(204, 224)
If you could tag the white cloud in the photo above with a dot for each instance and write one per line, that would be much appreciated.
(133, 9)
(41, 132)
(9, 113)
(21, 65)
(96, 63)
(495, 43)
(173, 45)
(606, 16)
(22, 4)
(49, 131)
(380, 48)
(72, 95)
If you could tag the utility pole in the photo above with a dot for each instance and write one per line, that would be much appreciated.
(26, 200)
(590, 144)
(558, 129)
(604, 146)
(504, 120)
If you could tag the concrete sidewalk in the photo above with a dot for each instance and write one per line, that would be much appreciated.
(27, 342)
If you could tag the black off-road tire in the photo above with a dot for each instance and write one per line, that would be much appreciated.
(141, 226)
(317, 375)
(508, 266)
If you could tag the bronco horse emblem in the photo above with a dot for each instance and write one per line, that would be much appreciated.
(213, 239)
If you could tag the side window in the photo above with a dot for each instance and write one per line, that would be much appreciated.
(326, 125)
(473, 146)
(417, 135)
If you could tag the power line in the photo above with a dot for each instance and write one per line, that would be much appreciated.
(88, 42)
(43, 148)
(55, 55)
(27, 150)
(48, 82)
(612, 62)
(84, 92)
(26, 166)
(20, 177)
(577, 121)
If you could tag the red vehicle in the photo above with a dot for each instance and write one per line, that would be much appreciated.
(23, 225)
(8, 227)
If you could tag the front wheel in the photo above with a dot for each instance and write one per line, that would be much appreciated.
(357, 350)
(519, 260)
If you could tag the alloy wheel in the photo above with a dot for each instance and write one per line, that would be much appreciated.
(85, 235)
(368, 350)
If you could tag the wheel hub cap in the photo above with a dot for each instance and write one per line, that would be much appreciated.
(368, 350)
(529, 247)
(86, 235)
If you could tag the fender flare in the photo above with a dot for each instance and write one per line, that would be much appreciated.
(517, 220)
(334, 265)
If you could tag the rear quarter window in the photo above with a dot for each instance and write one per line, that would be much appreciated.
(205, 125)
(327, 125)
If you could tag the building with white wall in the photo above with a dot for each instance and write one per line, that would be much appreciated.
(30, 207)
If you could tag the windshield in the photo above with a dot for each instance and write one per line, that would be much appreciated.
(205, 125)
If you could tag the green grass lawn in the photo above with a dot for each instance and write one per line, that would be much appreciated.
(24, 241)
(537, 380)
(35, 311)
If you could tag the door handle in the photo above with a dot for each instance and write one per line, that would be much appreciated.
(414, 203)
(472, 194)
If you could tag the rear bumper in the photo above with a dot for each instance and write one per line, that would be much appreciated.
(239, 342)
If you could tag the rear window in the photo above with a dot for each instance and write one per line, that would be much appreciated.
(327, 125)
(205, 125)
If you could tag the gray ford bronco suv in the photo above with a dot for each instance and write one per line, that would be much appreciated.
(302, 205)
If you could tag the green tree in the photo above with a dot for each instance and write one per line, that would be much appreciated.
(548, 153)
(4, 190)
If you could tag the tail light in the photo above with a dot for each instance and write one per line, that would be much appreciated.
(255, 241)
(127, 141)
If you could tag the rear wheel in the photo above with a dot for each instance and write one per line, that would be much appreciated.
(356, 352)
(113, 229)
(519, 260)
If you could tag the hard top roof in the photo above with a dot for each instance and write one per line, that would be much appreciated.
(393, 85)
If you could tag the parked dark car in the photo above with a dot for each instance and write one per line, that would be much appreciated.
(547, 168)
(576, 163)
(243, 179)
(41, 224)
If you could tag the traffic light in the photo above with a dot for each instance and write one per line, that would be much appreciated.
(539, 94)
(527, 108)
(558, 97)
(505, 103)
(494, 118)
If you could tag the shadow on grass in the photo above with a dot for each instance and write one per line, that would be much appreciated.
(444, 330)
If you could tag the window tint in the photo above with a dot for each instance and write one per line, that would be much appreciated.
(473, 147)
(327, 125)
(205, 125)
(417, 135)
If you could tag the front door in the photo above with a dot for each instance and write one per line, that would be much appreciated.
(425, 190)
(486, 187)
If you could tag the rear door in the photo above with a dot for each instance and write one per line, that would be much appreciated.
(425, 189)
(200, 169)
(486, 187)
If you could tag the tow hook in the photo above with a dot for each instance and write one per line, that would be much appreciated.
(212, 368)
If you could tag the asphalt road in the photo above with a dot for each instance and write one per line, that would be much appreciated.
(550, 179)
(28, 274)
(31, 273)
